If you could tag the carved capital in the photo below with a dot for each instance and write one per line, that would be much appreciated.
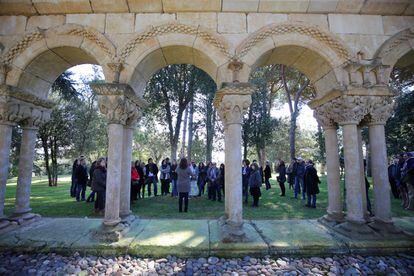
(323, 117)
(118, 103)
(380, 110)
(232, 101)
(19, 107)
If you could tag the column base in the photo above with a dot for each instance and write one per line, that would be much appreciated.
(108, 234)
(331, 219)
(128, 219)
(24, 218)
(388, 229)
(111, 223)
(231, 232)
(357, 230)
(4, 222)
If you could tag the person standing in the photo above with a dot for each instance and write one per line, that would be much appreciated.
(267, 175)
(281, 178)
(311, 182)
(221, 182)
(73, 178)
(81, 179)
(141, 181)
(201, 180)
(99, 185)
(392, 177)
(407, 178)
(165, 177)
(134, 182)
(299, 176)
(194, 187)
(151, 175)
(255, 182)
(174, 178)
(91, 197)
(291, 173)
(245, 179)
(184, 174)
(212, 176)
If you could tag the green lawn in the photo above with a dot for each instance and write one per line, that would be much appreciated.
(56, 202)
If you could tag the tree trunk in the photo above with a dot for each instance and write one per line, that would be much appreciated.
(190, 129)
(262, 157)
(184, 134)
(292, 135)
(46, 159)
(173, 151)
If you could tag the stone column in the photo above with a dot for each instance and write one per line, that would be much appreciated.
(334, 211)
(5, 142)
(116, 102)
(379, 168)
(362, 174)
(125, 207)
(354, 193)
(381, 110)
(24, 180)
(232, 101)
(333, 175)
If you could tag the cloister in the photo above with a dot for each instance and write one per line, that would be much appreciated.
(346, 48)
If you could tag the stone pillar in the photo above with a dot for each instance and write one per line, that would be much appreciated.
(354, 193)
(334, 211)
(362, 174)
(333, 175)
(24, 180)
(379, 168)
(5, 142)
(232, 101)
(118, 103)
(125, 207)
(227, 188)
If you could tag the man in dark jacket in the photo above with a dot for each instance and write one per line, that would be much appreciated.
(299, 178)
(213, 177)
(267, 175)
(81, 179)
(91, 197)
(73, 179)
(245, 179)
(151, 176)
(311, 182)
(99, 184)
(392, 177)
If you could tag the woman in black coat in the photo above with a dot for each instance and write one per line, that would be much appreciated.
(99, 184)
(267, 175)
(255, 182)
(311, 182)
(281, 179)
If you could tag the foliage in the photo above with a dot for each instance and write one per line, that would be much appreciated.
(400, 127)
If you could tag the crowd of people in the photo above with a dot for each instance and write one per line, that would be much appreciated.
(401, 178)
(187, 179)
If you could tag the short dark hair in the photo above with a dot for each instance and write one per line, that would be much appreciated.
(183, 163)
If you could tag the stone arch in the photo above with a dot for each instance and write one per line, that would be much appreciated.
(394, 51)
(316, 53)
(41, 56)
(173, 43)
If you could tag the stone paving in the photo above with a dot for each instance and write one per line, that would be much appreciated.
(54, 264)
(199, 238)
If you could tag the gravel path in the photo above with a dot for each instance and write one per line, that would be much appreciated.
(53, 264)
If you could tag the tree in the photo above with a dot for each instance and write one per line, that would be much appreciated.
(295, 85)
(400, 127)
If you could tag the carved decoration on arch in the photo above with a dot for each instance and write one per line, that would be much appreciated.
(394, 42)
(85, 32)
(295, 28)
(171, 28)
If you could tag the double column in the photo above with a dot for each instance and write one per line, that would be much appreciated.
(120, 106)
(18, 107)
(232, 101)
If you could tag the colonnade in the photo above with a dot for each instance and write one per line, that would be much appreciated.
(122, 110)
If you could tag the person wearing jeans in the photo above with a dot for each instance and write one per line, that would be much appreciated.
(151, 172)
(299, 178)
(184, 174)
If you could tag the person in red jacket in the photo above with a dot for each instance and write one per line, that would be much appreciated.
(134, 182)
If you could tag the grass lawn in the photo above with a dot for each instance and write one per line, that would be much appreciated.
(56, 202)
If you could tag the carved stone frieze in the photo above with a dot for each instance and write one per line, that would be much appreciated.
(232, 101)
(381, 109)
